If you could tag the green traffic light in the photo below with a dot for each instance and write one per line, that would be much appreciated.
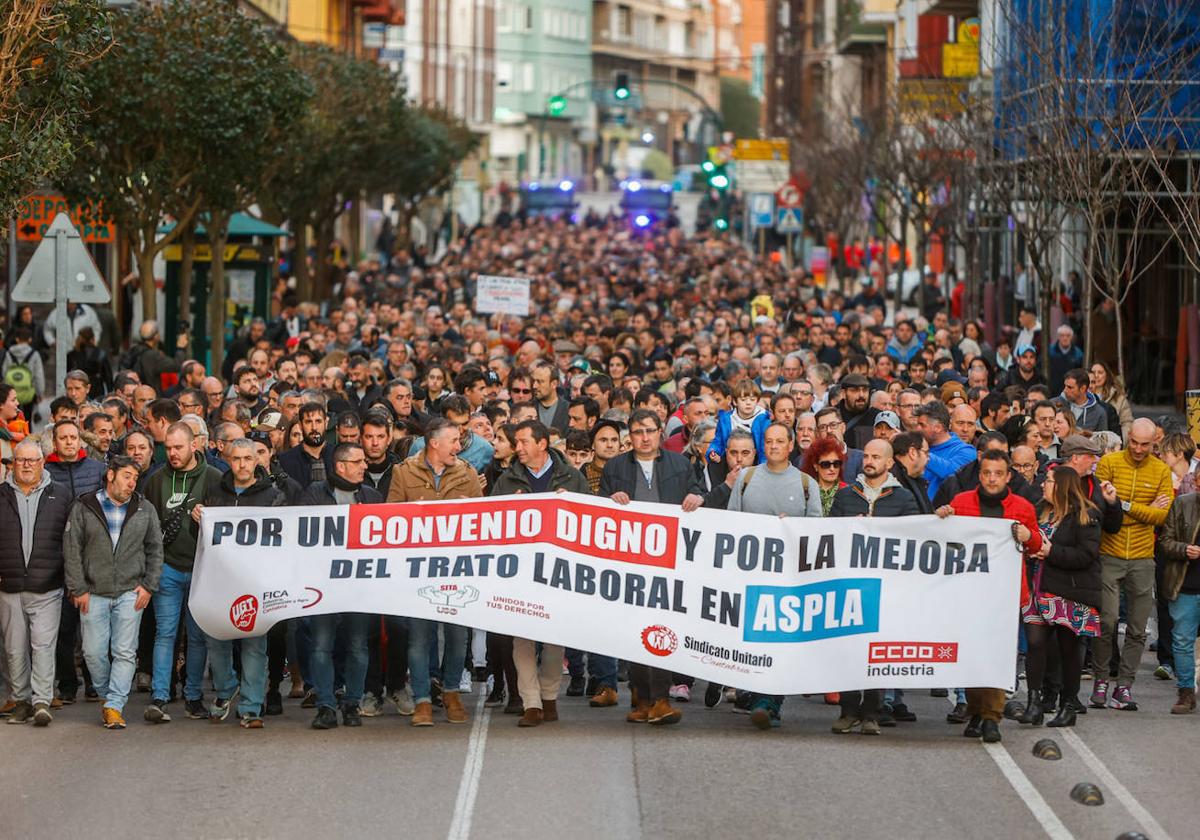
(708, 166)
(558, 104)
(621, 93)
(720, 181)
(722, 224)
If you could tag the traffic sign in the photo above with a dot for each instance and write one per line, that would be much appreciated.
(83, 281)
(762, 209)
(761, 150)
(789, 220)
(789, 195)
(35, 212)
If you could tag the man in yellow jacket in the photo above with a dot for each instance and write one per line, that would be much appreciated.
(1143, 485)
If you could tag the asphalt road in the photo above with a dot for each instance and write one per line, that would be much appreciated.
(591, 775)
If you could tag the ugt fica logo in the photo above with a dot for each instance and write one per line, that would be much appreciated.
(659, 640)
(244, 612)
(449, 598)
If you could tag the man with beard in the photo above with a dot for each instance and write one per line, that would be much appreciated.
(175, 491)
(856, 411)
(308, 461)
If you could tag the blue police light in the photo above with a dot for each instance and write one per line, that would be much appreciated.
(534, 186)
(664, 187)
(641, 220)
(565, 186)
(634, 186)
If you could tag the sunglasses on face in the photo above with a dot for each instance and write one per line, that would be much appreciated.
(828, 465)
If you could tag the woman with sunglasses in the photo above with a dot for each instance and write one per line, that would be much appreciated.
(824, 461)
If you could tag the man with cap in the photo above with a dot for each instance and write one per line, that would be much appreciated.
(1025, 372)
(565, 352)
(1082, 454)
(271, 421)
(953, 395)
(887, 425)
(856, 411)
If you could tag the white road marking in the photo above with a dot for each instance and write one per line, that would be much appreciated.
(1033, 800)
(468, 788)
(1108, 781)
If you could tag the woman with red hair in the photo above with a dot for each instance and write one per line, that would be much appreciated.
(824, 460)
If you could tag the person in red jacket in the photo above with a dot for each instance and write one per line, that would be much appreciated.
(993, 499)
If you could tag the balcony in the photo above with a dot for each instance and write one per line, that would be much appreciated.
(864, 39)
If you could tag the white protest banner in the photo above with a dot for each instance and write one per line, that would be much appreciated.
(507, 295)
(781, 606)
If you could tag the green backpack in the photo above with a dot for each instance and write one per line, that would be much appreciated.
(20, 377)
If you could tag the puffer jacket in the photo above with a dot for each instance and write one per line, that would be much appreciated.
(44, 571)
(413, 481)
(1138, 484)
(894, 500)
(1182, 529)
(563, 476)
(95, 566)
(79, 477)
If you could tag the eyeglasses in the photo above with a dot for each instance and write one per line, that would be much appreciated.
(828, 465)
(28, 462)
(520, 390)
(643, 432)
(828, 427)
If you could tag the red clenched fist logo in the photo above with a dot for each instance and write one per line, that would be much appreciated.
(244, 612)
(659, 640)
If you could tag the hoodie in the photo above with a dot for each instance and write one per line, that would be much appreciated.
(904, 353)
(1090, 416)
(727, 421)
(174, 493)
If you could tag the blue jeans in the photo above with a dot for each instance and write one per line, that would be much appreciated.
(168, 603)
(1185, 611)
(421, 633)
(254, 673)
(324, 630)
(110, 627)
(603, 669)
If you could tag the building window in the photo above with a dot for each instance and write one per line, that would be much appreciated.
(624, 23)
(526, 76)
(528, 18)
(504, 16)
(504, 74)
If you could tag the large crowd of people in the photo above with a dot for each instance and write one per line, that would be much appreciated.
(653, 367)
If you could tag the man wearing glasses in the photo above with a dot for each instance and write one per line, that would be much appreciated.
(831, 425)
(907, 403)
(343, 486)
(33, 517)
(520, 387)
(648, 473)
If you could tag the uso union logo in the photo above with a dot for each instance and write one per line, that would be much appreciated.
(244, 612)
(659, 640)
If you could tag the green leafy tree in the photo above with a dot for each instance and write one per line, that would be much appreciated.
(739, 110)
(46, 47)
(331, 155)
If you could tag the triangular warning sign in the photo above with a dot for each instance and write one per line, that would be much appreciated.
(84, 283)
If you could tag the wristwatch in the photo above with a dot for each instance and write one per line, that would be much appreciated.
(1125, 506)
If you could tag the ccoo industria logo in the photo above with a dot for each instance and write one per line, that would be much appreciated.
(660, 640)
(244, 612)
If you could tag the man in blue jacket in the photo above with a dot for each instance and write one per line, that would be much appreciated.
(947, 452)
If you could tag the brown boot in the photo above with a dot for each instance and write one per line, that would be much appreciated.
(639, 715)
(663, 713)
(1186, 704)
(532, 717)
(604, 698)
(633, 697)
(549, 710)
(422, 714)
(455, 712)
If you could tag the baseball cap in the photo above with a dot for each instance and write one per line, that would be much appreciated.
(1022, 349)
(888, 417)
(581, 363)
(951, 390)
(269, 420)
(1079, 445)
(491, 377)
(855, 380)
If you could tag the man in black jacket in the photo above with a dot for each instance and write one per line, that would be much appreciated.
(648, 473)
(308, 462)
(874, 493)
(911, 453)
(1082, 454)
(33, 516)
(245, 485)
(343, 487)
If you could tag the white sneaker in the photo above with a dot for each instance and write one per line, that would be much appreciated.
(369, 707)
(465, 683)
(404, 701)
(681, 693)
(730, 694)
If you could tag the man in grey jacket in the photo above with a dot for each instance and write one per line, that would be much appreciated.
(114, 556)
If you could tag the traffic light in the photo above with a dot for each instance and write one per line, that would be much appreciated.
(715, 173)
(557, 105)
(620, 85)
